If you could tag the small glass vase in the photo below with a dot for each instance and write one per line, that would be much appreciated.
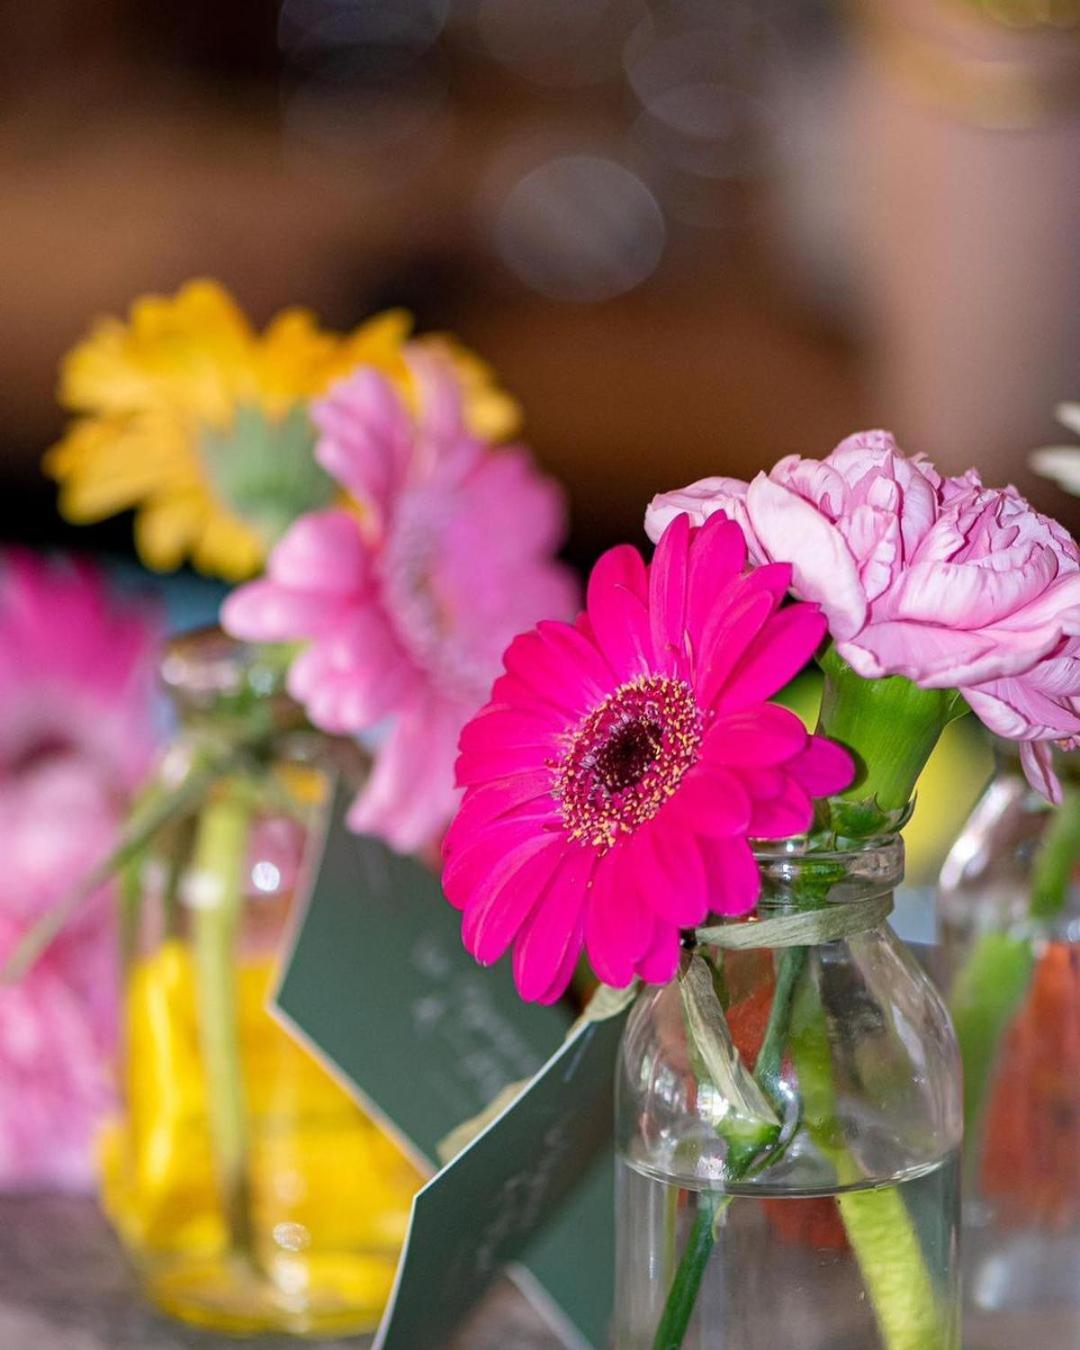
(842, 1231)
(1009, 923)
(252, 1192)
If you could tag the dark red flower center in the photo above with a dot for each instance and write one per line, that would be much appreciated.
(626, 758)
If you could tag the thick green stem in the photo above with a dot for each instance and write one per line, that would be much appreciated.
(744, 1157)
(877, 1222)
(891, 727)
(216, 897)
(1057, 857)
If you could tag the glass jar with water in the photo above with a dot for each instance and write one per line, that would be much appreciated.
(813, 1202)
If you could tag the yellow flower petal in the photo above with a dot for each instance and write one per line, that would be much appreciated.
(166, 530)
(228, 548)
(149, 390)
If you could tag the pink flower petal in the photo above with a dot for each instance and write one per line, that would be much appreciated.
(484, 804)
(565, 971)
(323, 551)
(471, 865)
(618, 925)
(618, 614)
(734, 878)
(717, 557)
(790, 529)
(1037, 759)
(789, 813)
(410, 794)
(782, 648)
(725, 643)
(941, 658)
(822, 768)
(265, 611)
(541, 949)
(540, 665)
(710, 801)
(500, 907)
(762, 735)
(661, 959)
(667, 594)
(671, 875)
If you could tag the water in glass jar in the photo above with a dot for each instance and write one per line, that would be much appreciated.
(784, 1271)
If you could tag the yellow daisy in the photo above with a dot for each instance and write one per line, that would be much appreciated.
(197, 422)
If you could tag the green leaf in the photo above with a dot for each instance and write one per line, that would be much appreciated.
(745, 1116)
(265, 470)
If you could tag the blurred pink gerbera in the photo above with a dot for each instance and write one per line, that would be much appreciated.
(623, 763)
(407, 603)
(76, 738)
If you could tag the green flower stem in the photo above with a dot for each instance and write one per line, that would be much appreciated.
(890, 726)
(744, 1158)
(990, 987)
(877, 1222)
(1057, 857)
(220, 853)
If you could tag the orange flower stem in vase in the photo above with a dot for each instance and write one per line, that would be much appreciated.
(214, 891)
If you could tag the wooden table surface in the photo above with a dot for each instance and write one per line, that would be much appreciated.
(66, 1285)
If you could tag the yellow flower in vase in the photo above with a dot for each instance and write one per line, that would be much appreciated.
(197, 422)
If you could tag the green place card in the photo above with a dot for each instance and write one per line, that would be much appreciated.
(377, 984)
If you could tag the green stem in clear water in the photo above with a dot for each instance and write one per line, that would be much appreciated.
(216, 897)
(877, 1222)
(744, 1157)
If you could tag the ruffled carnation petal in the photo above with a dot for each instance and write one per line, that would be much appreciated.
(823, 568)
(1038, 763)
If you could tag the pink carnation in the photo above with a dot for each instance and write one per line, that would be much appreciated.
(406, 602)
(942, 580)
(623, 763)
(76, 739)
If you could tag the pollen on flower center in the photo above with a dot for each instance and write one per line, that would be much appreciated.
(627, 758)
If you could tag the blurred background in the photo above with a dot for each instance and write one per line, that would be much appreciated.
(693, 235)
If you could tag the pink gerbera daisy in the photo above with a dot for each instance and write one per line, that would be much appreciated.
(614, 780)
(405, 596)
(77, 738)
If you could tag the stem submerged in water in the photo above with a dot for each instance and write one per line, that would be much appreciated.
(217, 898)
(743, 1158)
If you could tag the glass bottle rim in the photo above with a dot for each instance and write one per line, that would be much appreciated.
(858, 870)
(205, 669)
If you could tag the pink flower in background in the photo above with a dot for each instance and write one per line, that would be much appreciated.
(406, 604)
(76, 739)
(613, 781)
(942, 580)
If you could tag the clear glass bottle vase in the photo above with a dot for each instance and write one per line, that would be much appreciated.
(252, 1192)
(840, 1230)
(1009, 930)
